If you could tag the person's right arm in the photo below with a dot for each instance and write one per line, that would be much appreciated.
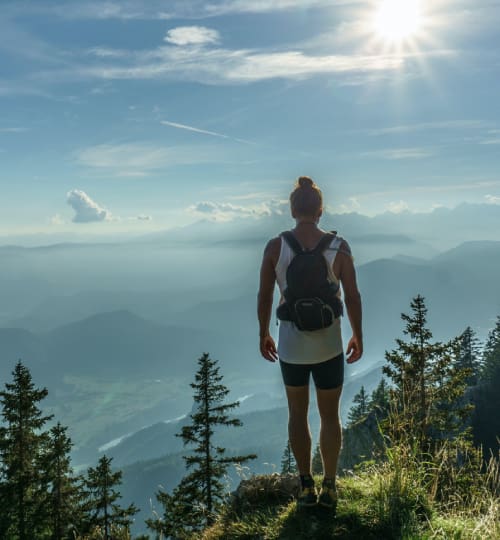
(265, 299)
(352, 300)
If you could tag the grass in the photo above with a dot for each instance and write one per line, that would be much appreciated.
(358, 516)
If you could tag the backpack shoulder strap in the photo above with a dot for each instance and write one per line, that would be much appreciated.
(324, 242)
(292, 242)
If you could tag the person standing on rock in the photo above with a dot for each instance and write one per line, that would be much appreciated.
(309, 266)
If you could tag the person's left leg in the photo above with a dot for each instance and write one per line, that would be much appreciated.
(330, 437)
(298, 427)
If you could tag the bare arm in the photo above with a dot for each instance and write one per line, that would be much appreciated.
(352, 298)
(265, 299)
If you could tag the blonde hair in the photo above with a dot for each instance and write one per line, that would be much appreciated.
(306, 198)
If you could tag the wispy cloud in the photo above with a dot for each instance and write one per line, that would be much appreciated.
(139, 159)
(201, 131)
(192, 35)
(425, 126)
(173, 9)
(495, 140)
(225, 66)
(13, 129)
(396, 207)
(106, 52)
(399, 153)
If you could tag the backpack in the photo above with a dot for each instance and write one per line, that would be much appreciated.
(311, 300)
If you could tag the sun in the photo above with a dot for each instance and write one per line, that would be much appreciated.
(398, 20)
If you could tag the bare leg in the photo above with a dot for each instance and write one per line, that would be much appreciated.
(298, 427)
(330, 437)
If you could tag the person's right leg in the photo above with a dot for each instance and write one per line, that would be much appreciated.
(300, 441)
(328, 377)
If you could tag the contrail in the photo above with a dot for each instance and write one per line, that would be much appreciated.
(202, 131)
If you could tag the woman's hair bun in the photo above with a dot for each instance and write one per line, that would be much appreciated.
(305, 181)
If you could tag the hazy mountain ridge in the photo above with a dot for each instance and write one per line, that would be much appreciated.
(227, 254)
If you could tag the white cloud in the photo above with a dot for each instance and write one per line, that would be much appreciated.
(491, 141)
(492, 199)
(192, 35)
(399, 153)
(221, 211)
(396, 207)
(143, 217)
(86, 210)
(353, 205)
(56, 220)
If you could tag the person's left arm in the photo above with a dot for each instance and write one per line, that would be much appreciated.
(265, 299)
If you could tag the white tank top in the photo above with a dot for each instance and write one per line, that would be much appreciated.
(302, 347)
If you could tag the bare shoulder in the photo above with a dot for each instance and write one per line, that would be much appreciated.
(272, 249)
(343, 266)
(345, 248)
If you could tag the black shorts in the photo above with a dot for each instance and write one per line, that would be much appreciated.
(326, 375)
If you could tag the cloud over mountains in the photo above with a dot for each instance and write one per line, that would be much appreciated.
(86, 209)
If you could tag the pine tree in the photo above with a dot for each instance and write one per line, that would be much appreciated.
(469, 356)
(22, 442)
(379, 400)
(201, 492)
(426, 383)
(486, 420)
(288, 464)
(491, 355)
(101, 504)
(64, 494)
(317, 462)
(360, 408)
(173, 520)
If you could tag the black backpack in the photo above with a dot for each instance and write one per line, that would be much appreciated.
(311, 301)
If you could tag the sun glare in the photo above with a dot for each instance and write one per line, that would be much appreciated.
(397, 20)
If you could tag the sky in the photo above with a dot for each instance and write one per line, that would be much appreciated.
(134, 116)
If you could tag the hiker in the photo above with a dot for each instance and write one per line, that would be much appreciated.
(310, 341)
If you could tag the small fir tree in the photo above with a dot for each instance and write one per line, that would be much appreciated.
(172, 523)
(201, 492)
(101, 500)
(317, 462)
(486, 420)
(22, 442)
(491, 355)
(426, 384)
(360, 408)
(288, 465)
(379, 400)
(64, 493)
(469, 355)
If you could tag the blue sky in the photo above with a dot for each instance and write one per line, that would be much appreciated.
(137, 116)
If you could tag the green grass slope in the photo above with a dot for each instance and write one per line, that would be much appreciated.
(360, 515)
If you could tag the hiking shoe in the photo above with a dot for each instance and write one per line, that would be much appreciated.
(307, 497)
(328, 496)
